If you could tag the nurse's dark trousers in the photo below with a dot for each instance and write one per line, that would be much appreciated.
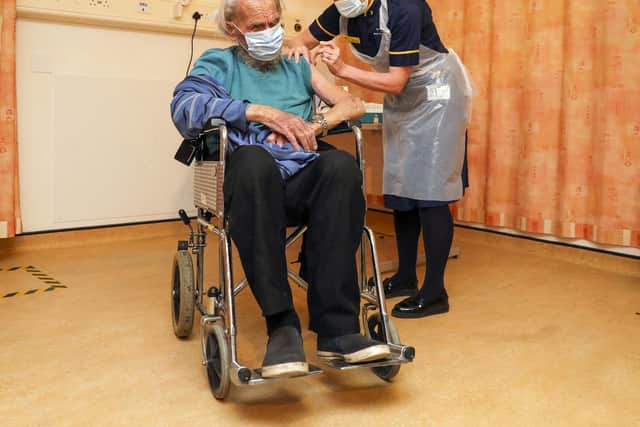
(327, 197)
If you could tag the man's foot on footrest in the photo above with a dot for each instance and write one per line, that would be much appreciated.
(285, 354)
(352, 348)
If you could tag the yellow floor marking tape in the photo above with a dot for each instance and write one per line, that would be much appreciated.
(52, 283)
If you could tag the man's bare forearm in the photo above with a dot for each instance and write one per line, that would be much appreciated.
(257, 113)
(348, 108)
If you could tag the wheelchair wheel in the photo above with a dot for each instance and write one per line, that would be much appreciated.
(182, 294)
(374, 324)
(217, 363)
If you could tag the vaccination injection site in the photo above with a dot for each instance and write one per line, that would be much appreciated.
(319, 213)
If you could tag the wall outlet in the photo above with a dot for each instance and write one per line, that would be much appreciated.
(104, 4)
(143, 7)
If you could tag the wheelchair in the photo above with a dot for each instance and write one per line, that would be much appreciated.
(216, 304)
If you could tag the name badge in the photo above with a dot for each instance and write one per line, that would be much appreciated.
(438, 92)
(352, 40)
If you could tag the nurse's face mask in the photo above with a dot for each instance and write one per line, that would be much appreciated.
(264, 45)
(351, 8)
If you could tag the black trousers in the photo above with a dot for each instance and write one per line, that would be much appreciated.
(327, 197)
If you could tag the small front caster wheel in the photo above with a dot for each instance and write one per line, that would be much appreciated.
(216, 351)
(374, 324)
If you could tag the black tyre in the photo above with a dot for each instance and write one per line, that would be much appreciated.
(217, 363)
(182, 294)
(374, 325)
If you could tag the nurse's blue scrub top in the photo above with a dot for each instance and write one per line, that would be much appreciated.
(410, 22)
(411, 25)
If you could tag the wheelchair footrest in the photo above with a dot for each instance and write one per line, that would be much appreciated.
(256, 375)
(399, 354)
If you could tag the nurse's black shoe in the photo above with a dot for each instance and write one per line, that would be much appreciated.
(416, 306)
(398, 288)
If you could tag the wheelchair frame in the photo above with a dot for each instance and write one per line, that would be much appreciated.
(218, 324)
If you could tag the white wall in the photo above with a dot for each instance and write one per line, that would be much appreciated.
(95, 137)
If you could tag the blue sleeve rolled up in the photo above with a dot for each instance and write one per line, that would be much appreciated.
(197, 99)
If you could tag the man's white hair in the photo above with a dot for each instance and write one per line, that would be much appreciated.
(227, 12)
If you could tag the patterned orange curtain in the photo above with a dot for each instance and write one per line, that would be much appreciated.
(554, 145)
(10, 223)
(555, 140)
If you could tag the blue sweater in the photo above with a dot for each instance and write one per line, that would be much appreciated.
(199, 98)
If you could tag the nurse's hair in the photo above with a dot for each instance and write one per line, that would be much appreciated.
(227, 12)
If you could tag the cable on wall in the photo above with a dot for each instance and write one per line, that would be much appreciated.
(196, 17)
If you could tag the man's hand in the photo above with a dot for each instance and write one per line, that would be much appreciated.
(276, 138)
(317, 129)
(295, 130)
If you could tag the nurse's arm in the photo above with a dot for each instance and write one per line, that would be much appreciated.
(307, 39)
(392, 82)
(344, 105)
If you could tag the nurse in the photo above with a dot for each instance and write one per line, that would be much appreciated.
(426, 112)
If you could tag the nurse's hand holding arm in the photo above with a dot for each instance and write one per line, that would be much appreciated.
(392, 82)
(301, 46)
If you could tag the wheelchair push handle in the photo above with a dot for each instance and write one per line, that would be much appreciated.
(184, 217)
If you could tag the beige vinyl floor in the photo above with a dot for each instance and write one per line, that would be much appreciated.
(537, 335)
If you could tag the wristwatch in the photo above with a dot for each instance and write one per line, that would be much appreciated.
(319, 118)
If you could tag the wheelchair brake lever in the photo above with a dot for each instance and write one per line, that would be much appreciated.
(185, 219)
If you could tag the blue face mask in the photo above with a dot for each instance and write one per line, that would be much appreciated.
(264, 45)
(351, 8)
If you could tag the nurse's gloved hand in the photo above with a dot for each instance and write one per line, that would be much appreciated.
(298, 52)
(329, 53)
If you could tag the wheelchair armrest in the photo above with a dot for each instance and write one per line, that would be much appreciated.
(213, 125)
(345, 127)
(355, 127)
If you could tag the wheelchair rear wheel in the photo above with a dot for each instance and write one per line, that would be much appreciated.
(182, 294)
(374, 324)
(217, 363)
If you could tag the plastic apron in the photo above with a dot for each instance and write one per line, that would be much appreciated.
(424, 126)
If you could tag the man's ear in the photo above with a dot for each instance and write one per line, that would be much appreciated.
(234, 34)
(231, 30)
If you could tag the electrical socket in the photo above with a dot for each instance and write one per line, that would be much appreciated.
(143, 6)
(105, 4)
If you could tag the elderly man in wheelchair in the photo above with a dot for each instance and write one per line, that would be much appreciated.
(275, 176)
